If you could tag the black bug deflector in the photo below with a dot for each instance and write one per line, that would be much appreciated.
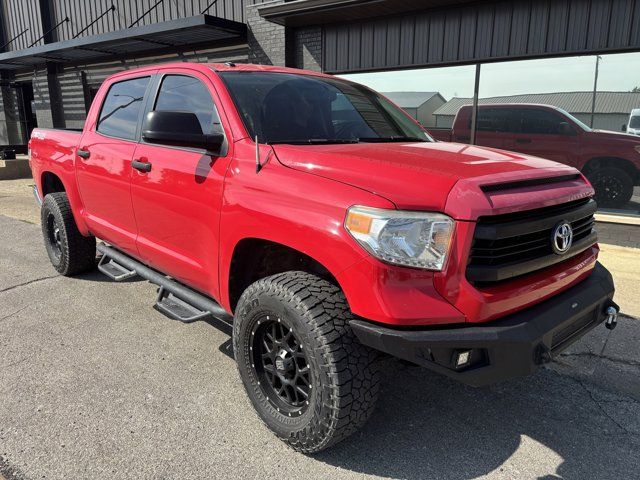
(510, 347)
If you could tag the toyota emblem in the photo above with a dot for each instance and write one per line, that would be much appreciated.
(562, 238)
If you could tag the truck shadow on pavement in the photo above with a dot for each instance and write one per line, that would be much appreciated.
(543, 426)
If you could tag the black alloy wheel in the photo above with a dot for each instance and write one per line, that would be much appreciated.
(53, 234)
(281, 366)
(613, 187)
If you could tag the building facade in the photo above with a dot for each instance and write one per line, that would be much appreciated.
(55, 53)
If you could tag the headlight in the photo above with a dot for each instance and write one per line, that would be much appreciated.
(412, 239)
(637, 148)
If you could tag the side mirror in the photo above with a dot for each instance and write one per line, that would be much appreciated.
(180, 129)
(624, 127)
(565, 129)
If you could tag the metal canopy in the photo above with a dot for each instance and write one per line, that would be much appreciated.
(317, 12)
(174, 34)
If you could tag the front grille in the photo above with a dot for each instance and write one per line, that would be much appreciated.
(514, 244)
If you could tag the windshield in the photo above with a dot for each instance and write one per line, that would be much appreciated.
(634, 121)
(582, 125)
(289, 108)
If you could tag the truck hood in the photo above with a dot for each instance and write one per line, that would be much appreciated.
(614, 136)
(422, 176)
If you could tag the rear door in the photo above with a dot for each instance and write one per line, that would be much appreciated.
(494, 127)
(103, 162)
(177, 203)
(547, 134)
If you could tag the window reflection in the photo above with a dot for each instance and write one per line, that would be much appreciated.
(121, 108)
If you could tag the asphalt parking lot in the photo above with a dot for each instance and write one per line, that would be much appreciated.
(97, 384)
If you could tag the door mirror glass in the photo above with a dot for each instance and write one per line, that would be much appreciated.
(624, 127)
(565, 129)
(180, 129)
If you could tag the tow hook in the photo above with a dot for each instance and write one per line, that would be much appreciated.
(612, 317)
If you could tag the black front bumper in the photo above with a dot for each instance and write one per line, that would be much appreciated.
(513, 346)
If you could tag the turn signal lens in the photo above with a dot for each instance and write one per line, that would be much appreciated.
(358, 223)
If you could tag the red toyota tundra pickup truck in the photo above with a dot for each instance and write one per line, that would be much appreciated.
(610, 160)
(327, 228)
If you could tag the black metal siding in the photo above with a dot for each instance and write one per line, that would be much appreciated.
(18, 16)
(483, 32)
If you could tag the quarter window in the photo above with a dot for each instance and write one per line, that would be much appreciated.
(187, 94)
(121, 108)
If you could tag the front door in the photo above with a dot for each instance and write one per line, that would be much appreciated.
(177, 202)
(103, 164)
(545, 134)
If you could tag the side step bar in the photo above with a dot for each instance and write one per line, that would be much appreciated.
(175, 300)
(114, 270)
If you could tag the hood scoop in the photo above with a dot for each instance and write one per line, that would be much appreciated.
(530, 182)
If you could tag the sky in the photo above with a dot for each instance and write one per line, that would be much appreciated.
(618, 72)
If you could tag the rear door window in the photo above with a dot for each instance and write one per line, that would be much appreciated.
(496, 120)
(122, 107)
(183, 93)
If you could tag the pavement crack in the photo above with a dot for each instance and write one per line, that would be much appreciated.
(12, 313)
(604, 410)
(631, 363)
(41, 279)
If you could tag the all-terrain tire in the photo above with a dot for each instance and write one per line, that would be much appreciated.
(70, 252)
(613, 186)
(343, 373)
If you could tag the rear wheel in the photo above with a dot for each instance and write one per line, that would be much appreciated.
(305, 372)
(69, 251)
(613, 186)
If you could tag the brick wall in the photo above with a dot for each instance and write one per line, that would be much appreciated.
(10, 127)
(307, 47)
(267, 42)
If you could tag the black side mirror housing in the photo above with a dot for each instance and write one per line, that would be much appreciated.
(566, 129)
(180, 129)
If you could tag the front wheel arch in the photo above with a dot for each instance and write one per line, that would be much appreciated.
(597, 163)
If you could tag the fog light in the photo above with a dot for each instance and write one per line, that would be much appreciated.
(462, 358)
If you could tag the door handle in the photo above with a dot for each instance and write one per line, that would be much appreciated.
(83, 153)
(141, 166)
(523, 140)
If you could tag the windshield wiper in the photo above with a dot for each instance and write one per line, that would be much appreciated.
(391, 139)
(315, 141)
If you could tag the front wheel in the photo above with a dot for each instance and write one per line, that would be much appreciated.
(306, 374)
(613, 186)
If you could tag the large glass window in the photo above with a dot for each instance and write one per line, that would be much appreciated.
(583, 111)
(188, 94)
(121, 108)
(285, 108)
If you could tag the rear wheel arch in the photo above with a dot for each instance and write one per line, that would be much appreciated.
(257, 258)
(51, 183)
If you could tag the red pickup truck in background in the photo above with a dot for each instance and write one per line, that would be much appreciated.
(325, 227)
(610, 160)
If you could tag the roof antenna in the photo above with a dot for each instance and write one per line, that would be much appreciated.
(258, 164)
